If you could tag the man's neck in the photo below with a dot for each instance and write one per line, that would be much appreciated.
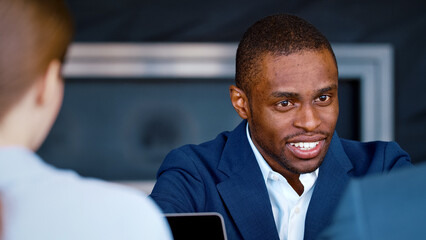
(10, 136)
(292, 178)
(296, 184)
(19, 126)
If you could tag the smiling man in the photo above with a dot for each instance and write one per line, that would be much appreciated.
(294, 111)
(281, 172)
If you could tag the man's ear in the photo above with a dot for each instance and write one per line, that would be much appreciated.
(49, 82)
(239, 101)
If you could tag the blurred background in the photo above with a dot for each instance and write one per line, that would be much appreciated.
(120, 127)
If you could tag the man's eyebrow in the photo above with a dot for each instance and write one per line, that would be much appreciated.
(297, 95)
(327, 89)
(285, 94)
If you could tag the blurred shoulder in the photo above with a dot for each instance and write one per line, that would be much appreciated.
(88, 208)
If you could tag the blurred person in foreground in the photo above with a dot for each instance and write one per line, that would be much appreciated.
(389, 207)
(38, 200)
(281, 172)
(1, 221)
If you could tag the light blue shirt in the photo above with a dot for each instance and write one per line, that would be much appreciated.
(289, 209)
(44, 203)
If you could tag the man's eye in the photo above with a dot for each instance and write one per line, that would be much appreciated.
(323, 98)
(284, 103)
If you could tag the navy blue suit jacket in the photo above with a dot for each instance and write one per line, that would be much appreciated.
(223, 176)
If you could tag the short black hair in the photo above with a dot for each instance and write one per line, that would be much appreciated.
(278, 35)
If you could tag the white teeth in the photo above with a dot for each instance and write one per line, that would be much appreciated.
(305, 145)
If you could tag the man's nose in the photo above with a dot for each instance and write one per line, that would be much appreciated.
(307, 118)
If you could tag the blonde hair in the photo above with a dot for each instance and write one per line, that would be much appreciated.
(32, 34)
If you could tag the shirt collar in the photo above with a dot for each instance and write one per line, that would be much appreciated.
(307, 179)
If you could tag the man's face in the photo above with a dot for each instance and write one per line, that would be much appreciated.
(294, 109)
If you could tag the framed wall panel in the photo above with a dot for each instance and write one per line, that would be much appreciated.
(127, 105)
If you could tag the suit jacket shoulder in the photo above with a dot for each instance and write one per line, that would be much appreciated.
(372, 157)
(220, 176)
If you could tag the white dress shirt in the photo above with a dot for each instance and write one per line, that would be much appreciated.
(289, 209)
(42, 202)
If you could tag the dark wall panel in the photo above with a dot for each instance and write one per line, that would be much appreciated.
(121, 129)
(400, 23)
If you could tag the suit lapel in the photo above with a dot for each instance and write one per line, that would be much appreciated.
(244, 192)
(332, 180)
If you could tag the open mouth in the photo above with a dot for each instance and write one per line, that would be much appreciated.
(305, 145)
(306, 150)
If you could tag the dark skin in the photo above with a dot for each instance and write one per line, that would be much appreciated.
(292, 111)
